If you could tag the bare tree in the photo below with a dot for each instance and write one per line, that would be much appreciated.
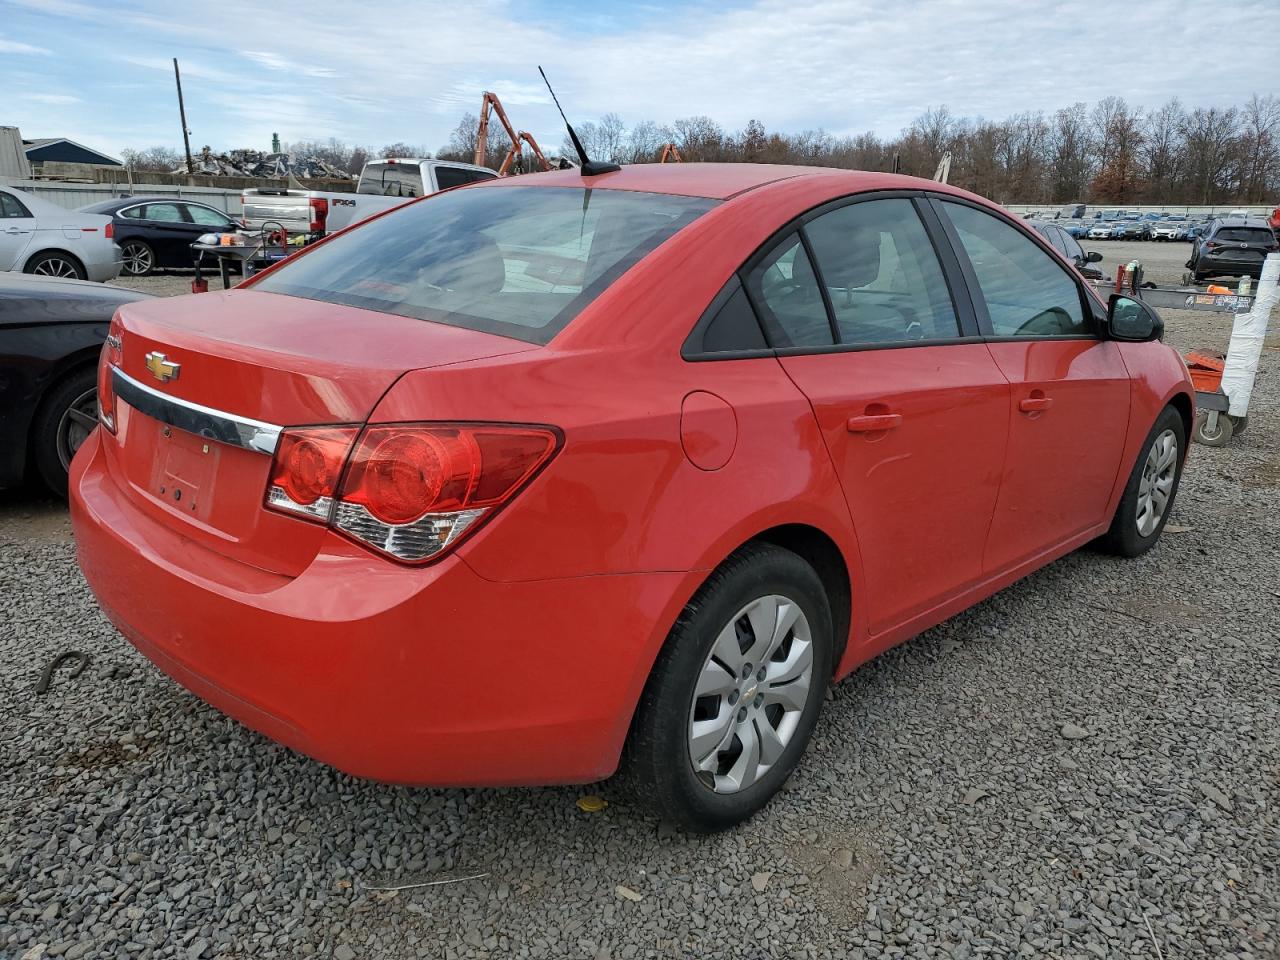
(1212, 163)
(1260, 148)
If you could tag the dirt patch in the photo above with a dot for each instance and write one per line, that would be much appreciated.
(1264, 474)
(839, 865)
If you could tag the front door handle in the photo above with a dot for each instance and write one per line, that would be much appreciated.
(874, 422)
(1035, 403)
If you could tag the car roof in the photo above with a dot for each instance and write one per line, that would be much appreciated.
(28, 286)
(119, 203)
(714, 181)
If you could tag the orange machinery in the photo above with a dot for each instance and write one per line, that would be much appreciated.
(491, 104)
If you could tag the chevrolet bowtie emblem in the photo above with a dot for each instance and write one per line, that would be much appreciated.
(161, 367)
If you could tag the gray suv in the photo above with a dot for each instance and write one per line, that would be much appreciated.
(1232, 247)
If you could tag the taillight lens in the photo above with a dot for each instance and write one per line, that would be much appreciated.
(108, 360)
(1211, 244)
(110, 231)
(319, 213)
(306, 470)
(409, 490)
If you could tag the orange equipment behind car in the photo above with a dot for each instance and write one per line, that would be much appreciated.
(1205, 370)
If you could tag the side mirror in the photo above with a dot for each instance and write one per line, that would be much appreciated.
(1093, 257)
(1132, 320)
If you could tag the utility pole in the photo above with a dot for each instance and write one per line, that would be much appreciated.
(182, 112)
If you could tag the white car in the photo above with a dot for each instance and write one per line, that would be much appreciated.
(43, 238)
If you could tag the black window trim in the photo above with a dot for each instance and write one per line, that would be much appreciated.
(1087, 305)
(957, 288)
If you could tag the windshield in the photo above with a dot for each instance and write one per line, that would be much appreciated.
(517, 261)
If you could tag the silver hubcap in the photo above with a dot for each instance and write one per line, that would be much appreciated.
(77, 422)
(751, 694)
(55, 267)
(1157, 482)
(137, 258)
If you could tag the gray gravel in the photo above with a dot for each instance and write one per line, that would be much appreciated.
(1086, 765)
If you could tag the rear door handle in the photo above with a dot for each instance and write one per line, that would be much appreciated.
(873, 422)
(1035, 404)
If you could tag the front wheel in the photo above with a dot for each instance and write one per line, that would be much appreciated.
(1148, 496)
(733, 698)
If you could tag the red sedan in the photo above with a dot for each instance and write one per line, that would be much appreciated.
(530, 477)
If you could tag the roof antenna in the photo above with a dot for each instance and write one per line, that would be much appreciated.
(590, 168)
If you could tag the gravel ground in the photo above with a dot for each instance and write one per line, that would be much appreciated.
(1086, 765)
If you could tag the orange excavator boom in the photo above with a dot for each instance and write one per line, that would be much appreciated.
(491, 104)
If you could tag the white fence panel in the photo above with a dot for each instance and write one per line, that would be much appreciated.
(75, 195)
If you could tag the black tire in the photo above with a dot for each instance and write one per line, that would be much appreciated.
(1124, 538)
(56, 433)
(139, 258)
(657, 765)
(1214, 436)
(54, 263)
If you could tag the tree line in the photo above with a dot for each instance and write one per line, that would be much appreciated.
(1107, 152)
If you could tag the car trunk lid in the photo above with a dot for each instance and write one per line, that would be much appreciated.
(207, 378)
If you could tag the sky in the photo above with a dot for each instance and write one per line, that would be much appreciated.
(375, 73)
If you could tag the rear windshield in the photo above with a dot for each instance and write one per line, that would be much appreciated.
(518, 261)
(391, 180)
(1245, 235)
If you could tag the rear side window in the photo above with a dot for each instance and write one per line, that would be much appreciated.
(1026, 291)
(11, 206)
(447, 177)
(163, 212)
(785, 288)
(882, 277)
(517, 261)
(1244, 235)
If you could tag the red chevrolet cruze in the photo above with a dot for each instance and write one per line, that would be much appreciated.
(530, 477)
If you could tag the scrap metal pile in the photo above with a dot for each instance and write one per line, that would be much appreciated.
(255, 163)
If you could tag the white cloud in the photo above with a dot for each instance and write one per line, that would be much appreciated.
(13, 46)
(53, 98)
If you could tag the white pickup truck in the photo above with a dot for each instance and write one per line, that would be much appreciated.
(383, 184)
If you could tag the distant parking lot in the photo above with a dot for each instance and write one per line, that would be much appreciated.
(1085, 765)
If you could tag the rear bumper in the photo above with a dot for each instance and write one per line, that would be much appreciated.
(425, 676)
(107, 267)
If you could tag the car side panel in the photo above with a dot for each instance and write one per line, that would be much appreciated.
(1157, 374)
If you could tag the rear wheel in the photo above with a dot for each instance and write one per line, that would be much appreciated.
(66, 417)
(733, 698)
(139, 258)
(56, 264)
(1148, 496)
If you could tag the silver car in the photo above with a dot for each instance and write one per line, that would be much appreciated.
(45, 239)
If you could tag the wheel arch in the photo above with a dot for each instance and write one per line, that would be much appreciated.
(47, 250)
(1183, 403)
(86, 358)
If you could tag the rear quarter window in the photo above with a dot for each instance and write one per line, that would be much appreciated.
(517, 261)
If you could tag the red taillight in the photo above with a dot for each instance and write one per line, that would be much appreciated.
(308, 463)
(1211, 244)
(409, 490)
(110, 230)
(112, 351)
(319, 213)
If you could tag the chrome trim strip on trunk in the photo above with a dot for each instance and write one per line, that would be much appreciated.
(206, 422)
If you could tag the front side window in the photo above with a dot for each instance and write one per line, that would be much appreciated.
(517, 261)
(882, 277)
(785, 289)
(206, 217)
(1027, 292)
